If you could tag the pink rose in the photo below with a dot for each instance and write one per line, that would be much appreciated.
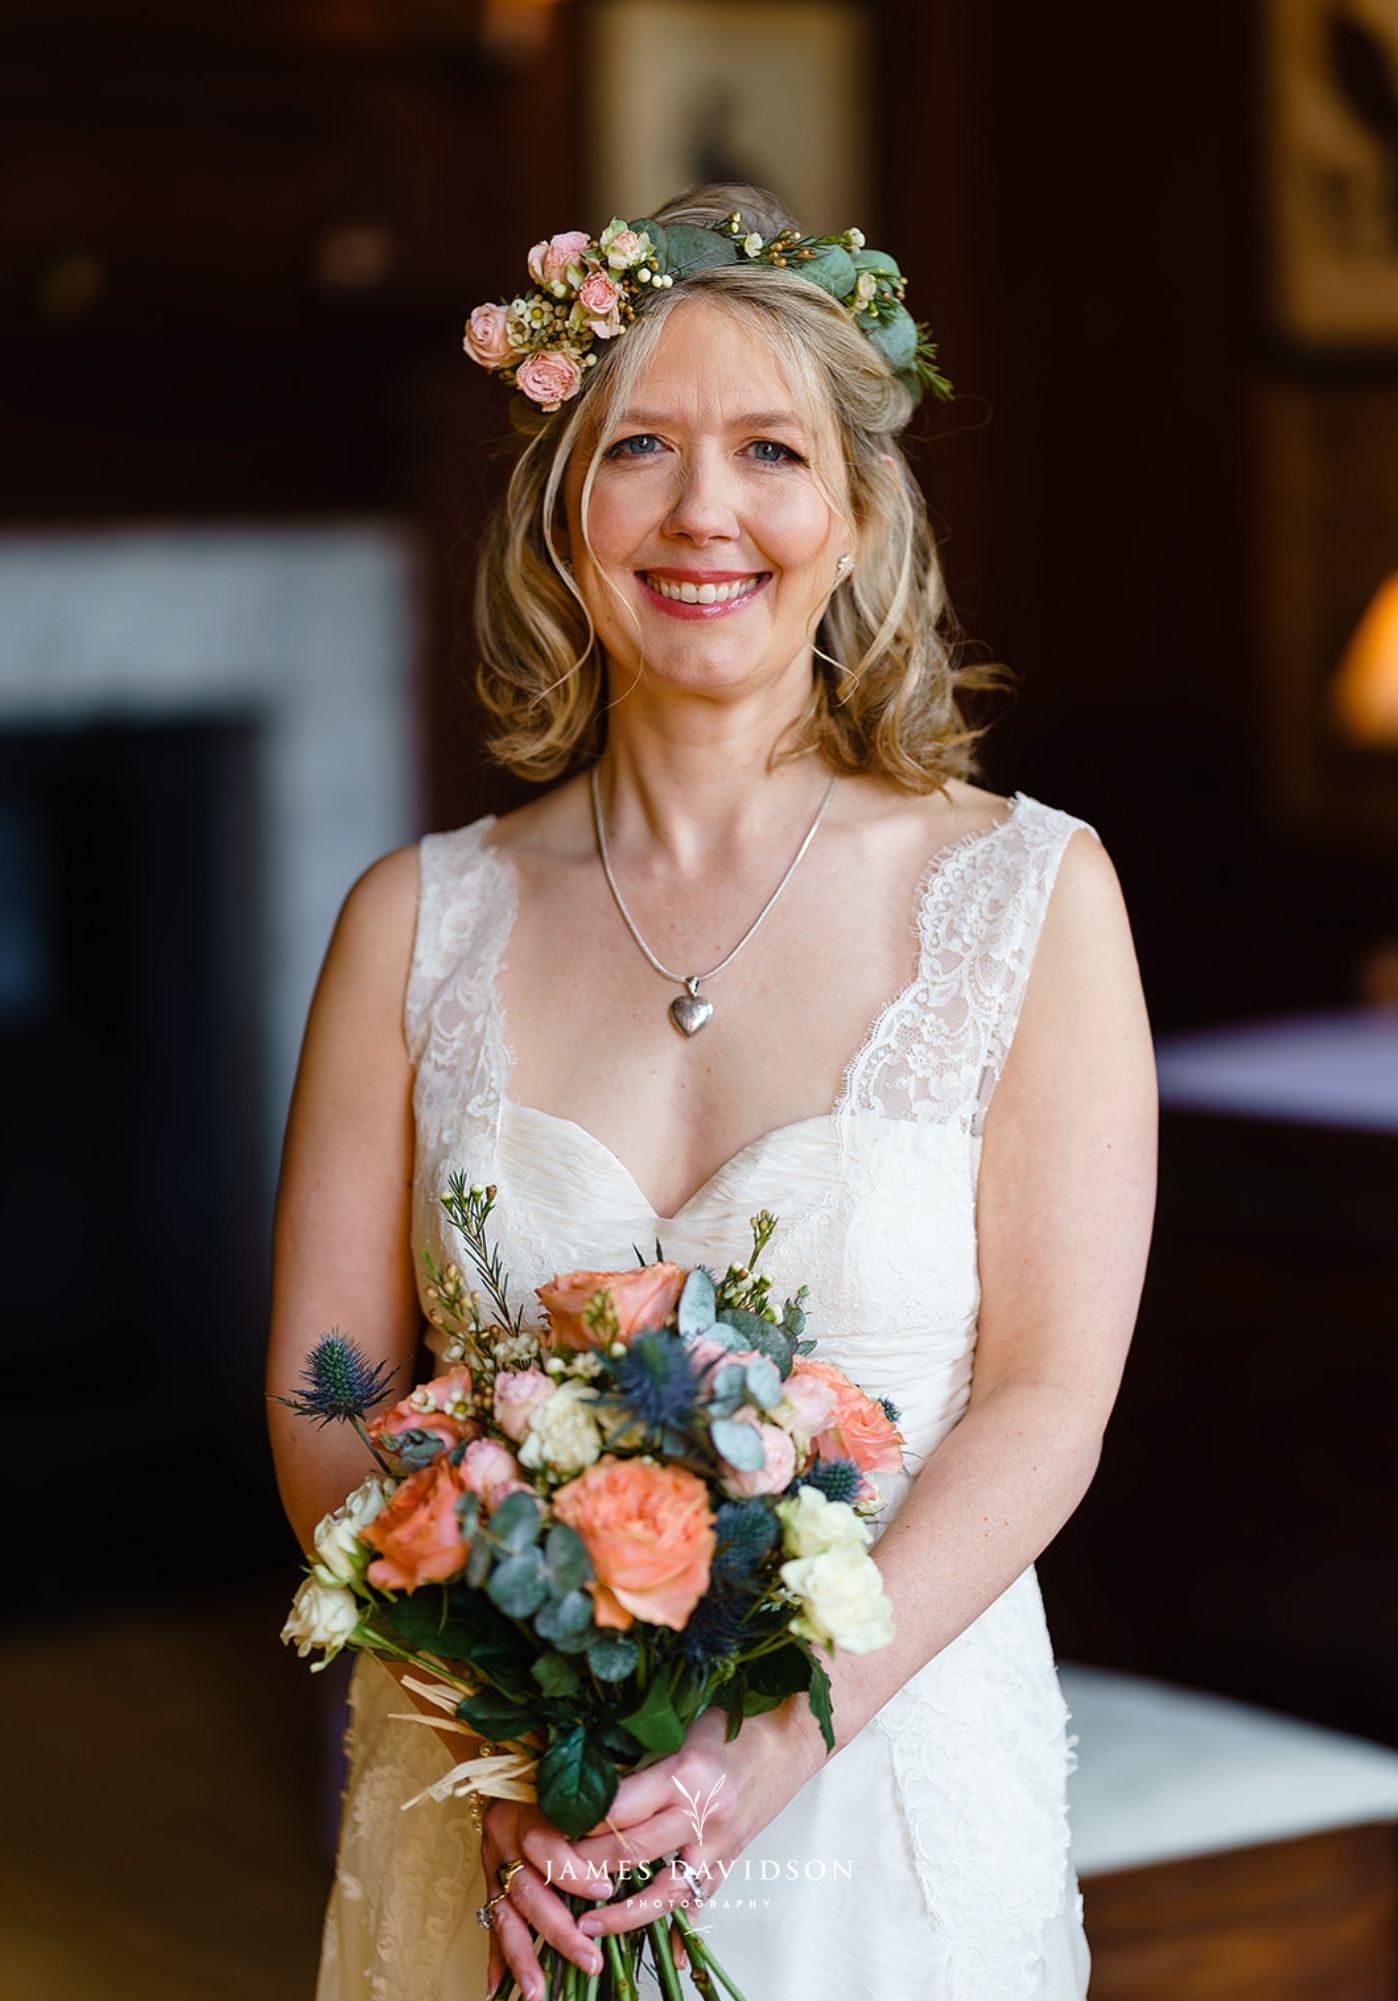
(488, 337)
(623, 249)
(418, 1534)
(491, 1471)
(439, 1407)
(778, 1462)
(516, 1394)
(812, 1403)
(549, 261)
(857, 1428)
(640, 1300)
(549, 377)
(600, 296)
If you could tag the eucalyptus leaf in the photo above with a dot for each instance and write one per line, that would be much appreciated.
(554, 1675)
(697, 1305)
(519, 1585)
(896, 339)
(557, 1618)
(516, 1521)
(612, 1656)
(729, 1381)
(682, 247)
(832, 268)
(478, 1562)
(755, 1332)
(763, 1383)
(576, 1782)
(569, 1564)
(467, 1513)
(739, 1444)
(876, 260)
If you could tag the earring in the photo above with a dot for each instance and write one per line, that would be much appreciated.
(843, 567)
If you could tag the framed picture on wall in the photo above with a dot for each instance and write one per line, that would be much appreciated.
(1331, 171)
(768, 91)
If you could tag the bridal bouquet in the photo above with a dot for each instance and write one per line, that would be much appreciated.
(590, 1534)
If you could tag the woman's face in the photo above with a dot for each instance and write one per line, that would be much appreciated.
(713, 549)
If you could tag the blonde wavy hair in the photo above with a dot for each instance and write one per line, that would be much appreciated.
(886, 693)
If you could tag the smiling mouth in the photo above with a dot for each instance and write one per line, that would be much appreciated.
(690, 593)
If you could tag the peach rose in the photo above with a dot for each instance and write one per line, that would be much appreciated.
(857, 1428)
(650, 1534)
(517, 1392)
(549, 261)
(491, 1471)
(488, 337)
(438, 1407)
(418, 1535)
(778, 1462)
(549, 377)
(641, 1299)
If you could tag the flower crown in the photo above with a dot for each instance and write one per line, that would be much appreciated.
(588, 289)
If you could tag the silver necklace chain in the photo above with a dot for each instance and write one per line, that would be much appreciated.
(689, 1012)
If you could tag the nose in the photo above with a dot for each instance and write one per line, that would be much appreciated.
(705, 501)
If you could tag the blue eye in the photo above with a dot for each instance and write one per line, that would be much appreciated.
(642, 446)
(768, 452)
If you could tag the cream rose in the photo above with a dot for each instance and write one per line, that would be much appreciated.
(321, 1615)
(812, 1525)
(563, 1434)
(339, 1553)
(843, 1603)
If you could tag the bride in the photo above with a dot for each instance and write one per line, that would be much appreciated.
(712, 595)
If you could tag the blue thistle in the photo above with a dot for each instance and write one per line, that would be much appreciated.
(746, 1531)
(714, 1628)
(343, 1382)
(837, 1479)
(656, 1381)
(890, 1409)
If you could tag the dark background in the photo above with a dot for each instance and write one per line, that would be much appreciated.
(1075, 195)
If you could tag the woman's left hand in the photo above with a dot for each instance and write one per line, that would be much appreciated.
(709, 1801)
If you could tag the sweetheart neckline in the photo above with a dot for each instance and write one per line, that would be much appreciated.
(600, 1145)
(934, 872)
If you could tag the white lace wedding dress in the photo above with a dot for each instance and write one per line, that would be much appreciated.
(928, 1860)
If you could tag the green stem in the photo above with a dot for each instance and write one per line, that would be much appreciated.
(701, 1956)
(626, 1989)
(664, 1959)
(361, 1428)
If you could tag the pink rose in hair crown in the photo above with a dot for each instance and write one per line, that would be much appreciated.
(599, 296)
(590, 1309)
(491, 1471)
(624, 249)
(650, 1535)
(488, 337)
(418, 1534)
(517, 1393)
(857, 1428)
(549, 377)
(549, 261)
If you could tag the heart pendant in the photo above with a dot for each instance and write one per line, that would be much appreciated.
(689, 1013)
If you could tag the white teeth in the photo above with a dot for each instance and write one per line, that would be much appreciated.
(687, 593)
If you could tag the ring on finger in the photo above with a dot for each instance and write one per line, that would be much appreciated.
(485, 1913)
(692, 1883)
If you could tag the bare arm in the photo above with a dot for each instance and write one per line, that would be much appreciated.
(341, 1250)
(1065, 1202)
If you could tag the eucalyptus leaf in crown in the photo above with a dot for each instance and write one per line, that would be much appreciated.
(587, 289)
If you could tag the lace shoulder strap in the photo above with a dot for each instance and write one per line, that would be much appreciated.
(466, 908)
(936, 1053)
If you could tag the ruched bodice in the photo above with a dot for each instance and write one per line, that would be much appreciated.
(955, 1793)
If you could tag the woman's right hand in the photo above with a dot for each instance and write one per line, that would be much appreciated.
(515, 1831)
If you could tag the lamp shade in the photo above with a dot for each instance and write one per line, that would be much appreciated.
(1364, 694)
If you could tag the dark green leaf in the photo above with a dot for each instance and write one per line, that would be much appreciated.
(577, 1782)
(818, 1695)
(519, 1585)
(612, 1656)
(655, 1723)
(492, 1716)
(610, 1735)
(738, 1443)
(572, 1613)
(554, 1675)
(568, 1562)
(784, 1672)
(516, 1521)
(734, 1701)
(696, 1307)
